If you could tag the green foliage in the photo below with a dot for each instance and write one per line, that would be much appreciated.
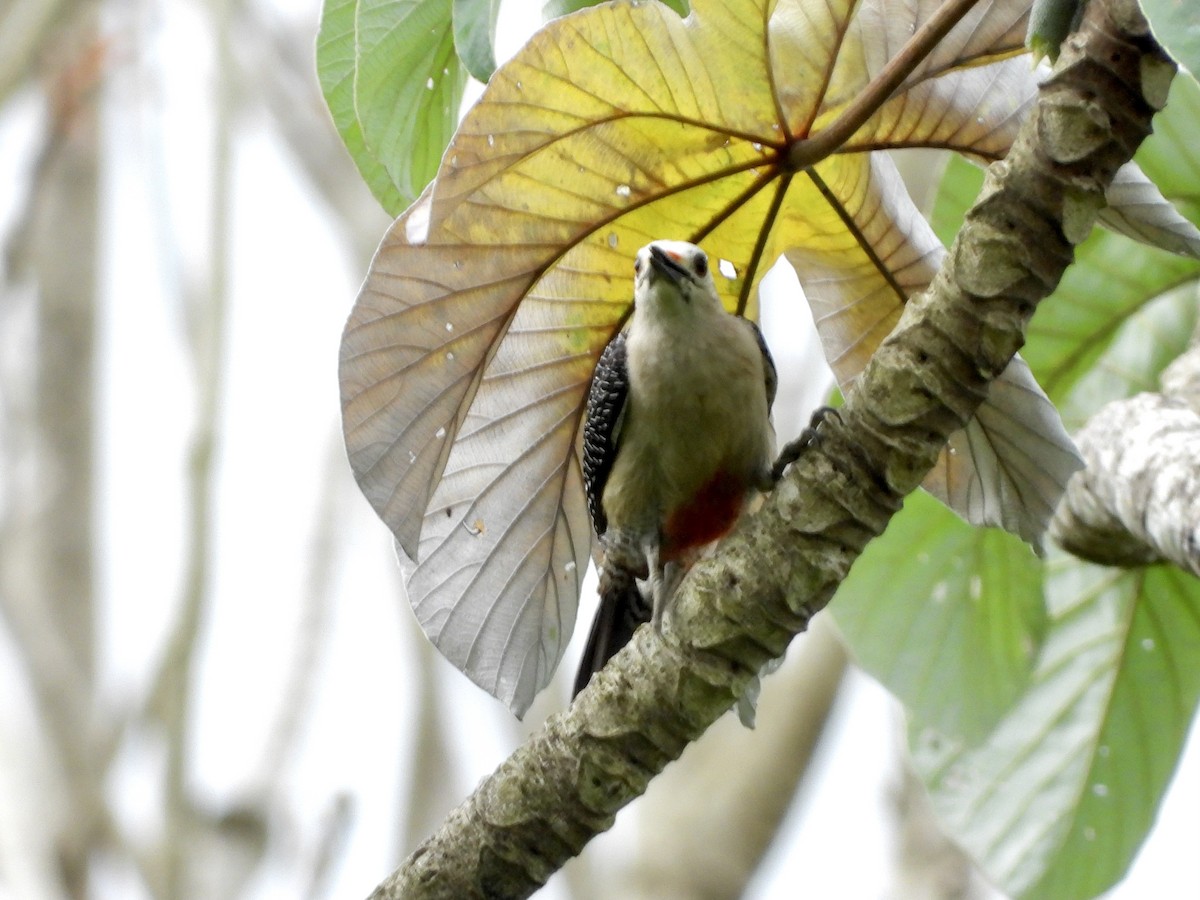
(393, 85)
(1055, 799)
(474, 35)
(1170, 156)
(1143, 346)
(948, 616)
(1055, 802)
(555, 8)
(1046, 743)
(1115, 280)
(1113, 277)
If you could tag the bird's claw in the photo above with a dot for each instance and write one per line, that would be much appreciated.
(671, 577)
(809, 436)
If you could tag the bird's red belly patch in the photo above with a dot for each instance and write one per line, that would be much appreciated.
(707, 516)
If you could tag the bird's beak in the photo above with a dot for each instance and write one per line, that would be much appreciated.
(666, 265)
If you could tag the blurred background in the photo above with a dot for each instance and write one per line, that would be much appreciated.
(210, 684)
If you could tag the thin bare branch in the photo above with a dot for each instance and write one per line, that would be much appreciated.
(929, 866)
(25, 28)
(175, 683)
(47, 589)
(313, 616)
(285, 83)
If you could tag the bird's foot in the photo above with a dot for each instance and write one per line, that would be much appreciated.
(663, 590)
(809, 436)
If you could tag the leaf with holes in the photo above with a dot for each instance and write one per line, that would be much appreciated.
(466, 360)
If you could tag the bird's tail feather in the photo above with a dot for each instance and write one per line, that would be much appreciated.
(622, 610)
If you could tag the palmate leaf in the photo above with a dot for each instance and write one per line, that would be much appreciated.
(466, 360)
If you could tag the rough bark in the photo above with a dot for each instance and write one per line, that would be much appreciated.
(742, 607)
(1138, 500)
(710, 819)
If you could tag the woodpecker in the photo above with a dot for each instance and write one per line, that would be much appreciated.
(677, 438)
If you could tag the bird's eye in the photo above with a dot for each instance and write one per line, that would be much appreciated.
(637, 266)
(701, 265)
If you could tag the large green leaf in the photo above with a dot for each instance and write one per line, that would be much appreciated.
(1056, 800)
(1169, 156)
(393, 85)
(949, 617)
(941, 613)
(336, 64)
(1059, 797)
(552, 9)
(1113, 280)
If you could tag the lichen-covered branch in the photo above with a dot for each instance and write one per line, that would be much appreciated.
(715, 813)
(1138, 500)
(742, 607)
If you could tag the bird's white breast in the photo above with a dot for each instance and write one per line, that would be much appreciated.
(697, 406)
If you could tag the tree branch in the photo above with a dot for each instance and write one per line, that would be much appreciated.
(1138, 500)
(742, 607)
(175, 688)
(716, 812)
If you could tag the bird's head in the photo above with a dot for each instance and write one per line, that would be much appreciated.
(674, 276)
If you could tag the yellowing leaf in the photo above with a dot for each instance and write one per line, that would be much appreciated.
(467, 358)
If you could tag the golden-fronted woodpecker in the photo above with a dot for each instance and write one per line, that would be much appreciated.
(677, 438)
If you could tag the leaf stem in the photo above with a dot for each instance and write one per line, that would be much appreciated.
(809, 152)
